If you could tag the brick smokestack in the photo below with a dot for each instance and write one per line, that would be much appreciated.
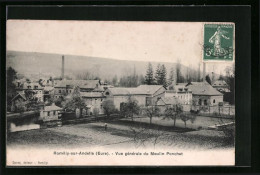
(62, 68)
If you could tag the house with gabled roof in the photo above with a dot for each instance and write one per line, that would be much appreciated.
(145, 94)
(18, 98)
(165, 102)
(221, 86)
(93, 100)
(65, 87)
(204, 94)
(32, 86)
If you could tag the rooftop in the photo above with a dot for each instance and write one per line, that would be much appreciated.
(168, 101)
(88, 84)
(53, 107)
(202, 88)
(220, 83)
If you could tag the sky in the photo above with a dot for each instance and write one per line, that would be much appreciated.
(143, 41)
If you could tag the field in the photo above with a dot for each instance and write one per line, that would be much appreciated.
(126, 133)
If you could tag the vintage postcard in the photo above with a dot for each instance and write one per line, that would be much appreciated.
(119, 93)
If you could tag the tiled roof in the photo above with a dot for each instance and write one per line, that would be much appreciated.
(126, 91)
(91, 94)
(140, 90)
(168, 101)
(181, 87)
(219, 83)
(48, 88)
(88, 84)
(149, 89)
(202, 88)
(53, 107)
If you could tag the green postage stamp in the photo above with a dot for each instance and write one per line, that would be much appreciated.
(219, 42)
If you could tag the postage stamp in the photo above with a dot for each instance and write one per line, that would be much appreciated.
(218, 42)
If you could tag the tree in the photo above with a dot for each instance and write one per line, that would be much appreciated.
(11, 76)
(230, 79)
(157, 76)
(186, 117)
(114, 80)
(152, 111)
(74, 101)
(149, 75)
(171, 76)
(32, 100)
(130, 108)
(208, 79)
(20, 106)
(109, 107)
(173, 112)
(180, 78)
(163, 76)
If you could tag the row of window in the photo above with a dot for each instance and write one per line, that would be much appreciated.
(48, 113)
(67, 91)
(205, 102)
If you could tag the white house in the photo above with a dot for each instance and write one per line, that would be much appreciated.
(50, 113)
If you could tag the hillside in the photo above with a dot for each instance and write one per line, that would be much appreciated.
(35, 63)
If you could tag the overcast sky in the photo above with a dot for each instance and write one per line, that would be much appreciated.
(146, 41)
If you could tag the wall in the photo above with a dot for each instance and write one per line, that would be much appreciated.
(185, 98)
(94, 103)
(44, 115)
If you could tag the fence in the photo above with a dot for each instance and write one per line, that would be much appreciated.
(226, 110)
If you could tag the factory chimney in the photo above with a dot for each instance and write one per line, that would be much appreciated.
(62, 68)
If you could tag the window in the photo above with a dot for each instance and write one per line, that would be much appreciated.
(205, 102)
(54, 112)
(107, 93)
(67, 91)
(214, 101)
(48, 113)
(35, 87)
(199, 101)
(70, 91)
(59, 91)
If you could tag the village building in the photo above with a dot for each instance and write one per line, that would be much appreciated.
(65, 87)
(183, 93)
(93, 101)
(221, 86)
(121, 95)
(16, 100)
(48, 92)
(50, 113)
(203, 94)
(35, 87)
(145, 95)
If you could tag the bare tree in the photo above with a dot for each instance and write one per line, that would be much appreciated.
(173, 112)
(187, 117)
(152, 111)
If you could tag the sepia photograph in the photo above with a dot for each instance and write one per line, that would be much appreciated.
(113, 93)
